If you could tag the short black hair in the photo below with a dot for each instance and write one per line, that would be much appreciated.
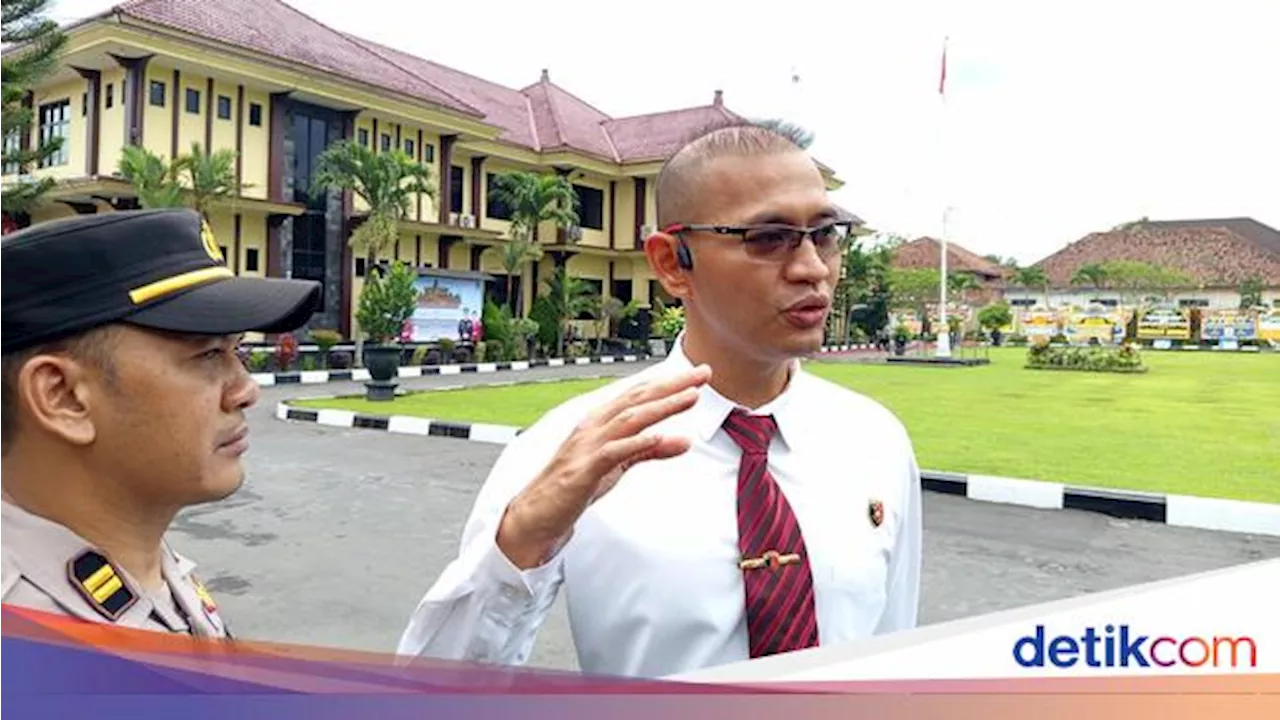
(93, 346)
(733, 137)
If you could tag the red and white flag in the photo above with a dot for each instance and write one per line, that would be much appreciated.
(942, 78)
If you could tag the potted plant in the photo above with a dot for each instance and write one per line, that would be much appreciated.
(386, 303)
(670, 323)
(901, 336)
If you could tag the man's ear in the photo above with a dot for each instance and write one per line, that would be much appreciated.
(660, 249)
(57, 394)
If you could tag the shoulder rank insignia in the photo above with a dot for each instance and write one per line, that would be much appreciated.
(875, 512)
(97, 580)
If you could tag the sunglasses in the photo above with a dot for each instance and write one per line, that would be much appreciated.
(775, 241)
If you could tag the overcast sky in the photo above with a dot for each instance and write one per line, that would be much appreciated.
(1062, 117)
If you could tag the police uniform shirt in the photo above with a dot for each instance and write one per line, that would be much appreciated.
(651, 571)
(48, 567)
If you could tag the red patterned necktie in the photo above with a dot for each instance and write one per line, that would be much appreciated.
(779, 582)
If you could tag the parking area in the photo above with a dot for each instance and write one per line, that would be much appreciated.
(338, 532)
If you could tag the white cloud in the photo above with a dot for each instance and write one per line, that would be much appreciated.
(1063, 117)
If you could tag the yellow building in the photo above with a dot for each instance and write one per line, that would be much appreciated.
(258, 77)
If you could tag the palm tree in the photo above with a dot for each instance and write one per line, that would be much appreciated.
(386, 182)
(196, 180)
(531, 199)
(1033, 277)
(961, 284)
(569, 297)
(1093, 275)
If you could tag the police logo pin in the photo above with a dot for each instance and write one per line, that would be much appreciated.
(875, 512)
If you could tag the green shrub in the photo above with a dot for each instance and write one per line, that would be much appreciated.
(544, 313)
(419, 356)
(1124, 359)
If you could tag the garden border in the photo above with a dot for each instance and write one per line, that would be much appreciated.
(1176, 510)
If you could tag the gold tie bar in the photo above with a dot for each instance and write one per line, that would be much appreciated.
(771, 559)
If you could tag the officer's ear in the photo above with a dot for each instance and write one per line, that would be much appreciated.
(57, 395)
(663, 252)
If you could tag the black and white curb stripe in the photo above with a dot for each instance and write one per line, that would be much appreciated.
(312, 377)
(846, 348)
(1177, 510)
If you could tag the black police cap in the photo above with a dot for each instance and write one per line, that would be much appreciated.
(159, 269)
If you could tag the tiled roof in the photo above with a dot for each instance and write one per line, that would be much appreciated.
(1219, 253)
(278, 30)
(926, 252)
(542, 116)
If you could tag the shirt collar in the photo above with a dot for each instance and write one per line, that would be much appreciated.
(707, 416)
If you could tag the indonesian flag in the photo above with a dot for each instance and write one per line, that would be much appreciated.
(942, 78)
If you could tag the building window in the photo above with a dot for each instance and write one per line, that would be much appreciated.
(156, 95)
(312, 131)
(622, 290)
(428, 153)
(362, 136)
(408, 148)
(55, 122)
(360, 267)
(255, 114)
(456, 180)
(193, 101)
(386, 142)
(596, 290)
(109, 100)
(224, 107)
(493, 207)
(590, 207)
(12, 144)
(251, 259)
(84, 104)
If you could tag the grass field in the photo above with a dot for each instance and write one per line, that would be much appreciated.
(1197, 424)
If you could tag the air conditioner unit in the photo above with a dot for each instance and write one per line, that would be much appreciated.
(454, 218)
(646, 231)
(574, 233)
(468, 221)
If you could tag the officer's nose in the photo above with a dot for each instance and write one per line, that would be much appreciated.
(243, 392)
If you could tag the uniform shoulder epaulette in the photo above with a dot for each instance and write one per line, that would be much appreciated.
(97, 580)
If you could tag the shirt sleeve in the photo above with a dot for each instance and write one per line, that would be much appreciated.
(902, 600)
(483, 608)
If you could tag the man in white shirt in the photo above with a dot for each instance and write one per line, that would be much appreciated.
(723, 504)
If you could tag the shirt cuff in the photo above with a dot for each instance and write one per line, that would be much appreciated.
(516, 587)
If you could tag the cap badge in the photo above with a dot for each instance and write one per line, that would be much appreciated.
(210, 243)
(875, 512)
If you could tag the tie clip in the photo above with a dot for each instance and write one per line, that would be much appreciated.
(771, 559)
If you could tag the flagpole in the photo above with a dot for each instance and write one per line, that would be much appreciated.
(944, 332)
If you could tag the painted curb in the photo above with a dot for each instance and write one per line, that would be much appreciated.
(1175, 510)
(315, 377)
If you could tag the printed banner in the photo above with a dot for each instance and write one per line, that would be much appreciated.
(443, 306)
(1164, 322)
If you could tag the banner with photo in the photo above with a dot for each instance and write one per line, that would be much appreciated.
(444, 302)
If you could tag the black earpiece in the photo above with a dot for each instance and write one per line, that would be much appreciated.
(683, 256)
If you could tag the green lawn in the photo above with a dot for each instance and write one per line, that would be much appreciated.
(1197, 423)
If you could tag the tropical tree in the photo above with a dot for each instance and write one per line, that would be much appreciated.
(1092, 275)
(1033, 277)
(531, 199)
(568, 298)
(961, 283)
(386, 182)
(36, 44)
(196, 180)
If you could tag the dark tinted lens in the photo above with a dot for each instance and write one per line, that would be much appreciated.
(770, 241)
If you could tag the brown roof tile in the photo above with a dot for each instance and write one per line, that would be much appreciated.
(1213, 252)
(542, 116)
(926, 252)
(277, 29)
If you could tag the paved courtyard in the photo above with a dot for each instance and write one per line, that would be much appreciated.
(338, 532)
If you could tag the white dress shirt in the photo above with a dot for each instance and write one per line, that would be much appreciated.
(651, 573)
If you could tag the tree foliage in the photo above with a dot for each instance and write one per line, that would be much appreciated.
(37, 44)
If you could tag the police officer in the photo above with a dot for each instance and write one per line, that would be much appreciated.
(124, 402)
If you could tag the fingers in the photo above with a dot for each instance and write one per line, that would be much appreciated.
(649, 392)
(635, 449)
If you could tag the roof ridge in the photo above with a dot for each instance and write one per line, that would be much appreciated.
(533, 124)
(556, 120)
(577, 97)
(362, 42)
(656, 113)
(617, 157)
